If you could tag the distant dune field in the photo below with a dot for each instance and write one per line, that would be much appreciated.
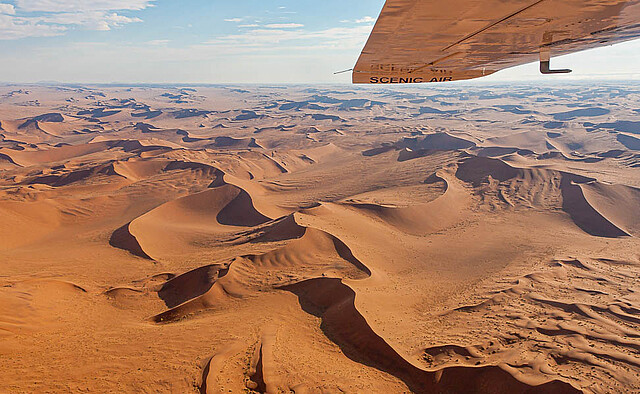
(327, 239)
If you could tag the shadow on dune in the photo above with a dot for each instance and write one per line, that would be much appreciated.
(282, 229)
(414, 147)
(579, 113)
(234, 143)
(166, 229)
(628, 141)
(123, 239)
(333, 302)
(191, 284)
(583, 214)
(482, 171)
(241, 212)
(313, 247)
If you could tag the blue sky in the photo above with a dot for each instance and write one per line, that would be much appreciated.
(217, 41)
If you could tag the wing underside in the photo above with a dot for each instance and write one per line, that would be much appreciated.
(417, 41)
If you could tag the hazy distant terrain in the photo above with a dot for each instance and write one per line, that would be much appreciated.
(320, 239)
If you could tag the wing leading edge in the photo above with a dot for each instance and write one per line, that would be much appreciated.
(415, 41)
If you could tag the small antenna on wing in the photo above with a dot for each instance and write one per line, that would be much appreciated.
(545, 63)
(343, 71)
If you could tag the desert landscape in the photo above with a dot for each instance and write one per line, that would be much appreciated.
(320, 239)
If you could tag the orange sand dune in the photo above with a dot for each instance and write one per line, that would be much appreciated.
(136, 170)
(171, 228)
(26, 306)
(26, 158)
(427, 218)
(617, 203)
(333, 302)
(267, 239)
(541, 187)
(314, 253)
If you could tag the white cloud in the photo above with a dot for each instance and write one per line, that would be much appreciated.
(283, 25)
(101, 26)
(94, 20)
(295, 40)
(366, 19)
(12, 28)
(81, 5)
(234, 20)
(158, 42)
(7, 9)
(55, 17)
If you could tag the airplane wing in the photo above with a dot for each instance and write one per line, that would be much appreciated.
(436, 41)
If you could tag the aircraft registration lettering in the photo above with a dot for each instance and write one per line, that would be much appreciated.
(407, 79)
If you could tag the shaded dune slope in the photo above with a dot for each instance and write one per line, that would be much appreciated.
(315, 247)
(191, 284)
(122, 238)
(618, 203)
(412, 148)
(27, 158)
(315, 253)
(439, 141)
(68, 177)
(132, 170)
(544, 188)
(584, 214)
(233, 143)
(282, 229)
(333, 302)
(98, 145)
(136, 170)
(170, 228)
(194, 292)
